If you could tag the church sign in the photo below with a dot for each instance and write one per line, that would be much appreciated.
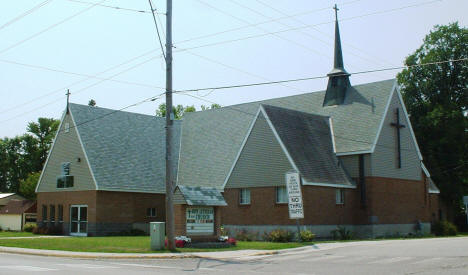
(293, 187)
(200, 220)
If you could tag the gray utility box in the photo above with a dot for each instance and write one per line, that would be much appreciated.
(158, 235)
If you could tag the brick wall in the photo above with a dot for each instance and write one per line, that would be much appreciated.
(389, 201)
(108, 212)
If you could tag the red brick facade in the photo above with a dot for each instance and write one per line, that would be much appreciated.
(389, 201)
(108, 212)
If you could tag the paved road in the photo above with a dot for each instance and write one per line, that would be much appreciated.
(428, 256)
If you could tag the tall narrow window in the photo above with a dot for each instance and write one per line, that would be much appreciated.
(151, 212)
(281, 194)
(52, 213)
(60, 213)
(339, 196)
(67, 127)
(44, 213)
(244, 196)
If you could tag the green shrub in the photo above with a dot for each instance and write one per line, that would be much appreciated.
(306, 236)
(29, 227)
(341, 233)
(243, 235)
(279, 235)
(444, 228)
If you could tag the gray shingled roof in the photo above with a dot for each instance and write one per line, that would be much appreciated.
(211, 139)
(202, 196)
(308, 140)
(126, 150)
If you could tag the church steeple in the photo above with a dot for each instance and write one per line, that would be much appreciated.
(338, 78)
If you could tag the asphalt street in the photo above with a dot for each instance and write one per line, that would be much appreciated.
(422, 256)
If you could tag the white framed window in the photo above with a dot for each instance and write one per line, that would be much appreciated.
(339, 196)
(151, 212)
(67, 127)
(244, 196)
(281, 194)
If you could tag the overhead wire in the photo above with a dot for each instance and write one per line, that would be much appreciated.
(316, 77)
(50, 27)
(308, 26)
(26, 13)
(73, 83)
(111, 7)
(157, 29)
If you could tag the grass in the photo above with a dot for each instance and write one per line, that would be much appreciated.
(126, 244)
(4, 234)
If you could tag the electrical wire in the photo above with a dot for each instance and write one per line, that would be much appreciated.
(76, 82)
(308, 26)
(50, 27)
(317, 77)
(111, 7)
(157, 29)
(26, 13)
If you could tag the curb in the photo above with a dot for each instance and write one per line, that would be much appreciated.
(101, 255)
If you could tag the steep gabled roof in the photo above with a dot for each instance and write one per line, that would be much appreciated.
(211, 139)
(307, 139)
(126, 151)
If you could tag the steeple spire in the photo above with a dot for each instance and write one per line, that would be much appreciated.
(338, 81)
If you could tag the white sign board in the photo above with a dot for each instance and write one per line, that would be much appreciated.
(200, 220)
(293, 187)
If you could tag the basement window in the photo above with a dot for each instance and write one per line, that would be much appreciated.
(244, 196)
(151, 212)
(281, 194)
(339, 196)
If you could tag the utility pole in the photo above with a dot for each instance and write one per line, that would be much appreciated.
(169, 122)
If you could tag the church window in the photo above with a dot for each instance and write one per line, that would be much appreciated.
(339, 195)
(67, 127)
(151, 212)
(281, 194)
(244, 196)
(65, 180)
(44, 213)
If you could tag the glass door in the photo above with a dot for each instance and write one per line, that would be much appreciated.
(79, 220)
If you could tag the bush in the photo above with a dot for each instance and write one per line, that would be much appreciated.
(444, 228)
(306, 236)
(29, 227)
(341, 233)
(243, 235)
(48, 230)
(279, 235)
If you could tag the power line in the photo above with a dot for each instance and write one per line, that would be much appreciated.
(308, 26)
(95, 76)
(50, 27)
(111, 7)
(157, 29)
(317, 77)
(265, 31)
(26, 13)
(318, 30)
(81, 90)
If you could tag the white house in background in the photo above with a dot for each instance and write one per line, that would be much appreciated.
(17, 213)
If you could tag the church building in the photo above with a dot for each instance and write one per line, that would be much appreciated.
(358, 159)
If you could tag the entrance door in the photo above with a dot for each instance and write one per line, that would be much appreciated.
(79, 220)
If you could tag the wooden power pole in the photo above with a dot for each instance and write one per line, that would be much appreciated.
(169, 126)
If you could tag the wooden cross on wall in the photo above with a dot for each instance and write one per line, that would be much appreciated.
(398, 126)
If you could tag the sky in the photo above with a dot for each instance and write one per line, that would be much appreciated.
(113, 55)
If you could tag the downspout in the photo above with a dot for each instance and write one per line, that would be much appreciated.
(362, 181)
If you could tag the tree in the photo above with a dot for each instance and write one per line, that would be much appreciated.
(213, 106)
(44, 130)
(436, 99)
(92, 102)
(27, 187)
(178, 110)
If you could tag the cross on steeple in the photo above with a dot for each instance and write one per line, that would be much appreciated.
(398, 126)
(68, 98)
(336, 12)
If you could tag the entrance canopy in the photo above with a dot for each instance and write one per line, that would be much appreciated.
(200, 196)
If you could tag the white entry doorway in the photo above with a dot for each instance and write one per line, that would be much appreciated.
(79, 220)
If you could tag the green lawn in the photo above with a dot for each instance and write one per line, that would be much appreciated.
(4, 234)
(124, 244)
